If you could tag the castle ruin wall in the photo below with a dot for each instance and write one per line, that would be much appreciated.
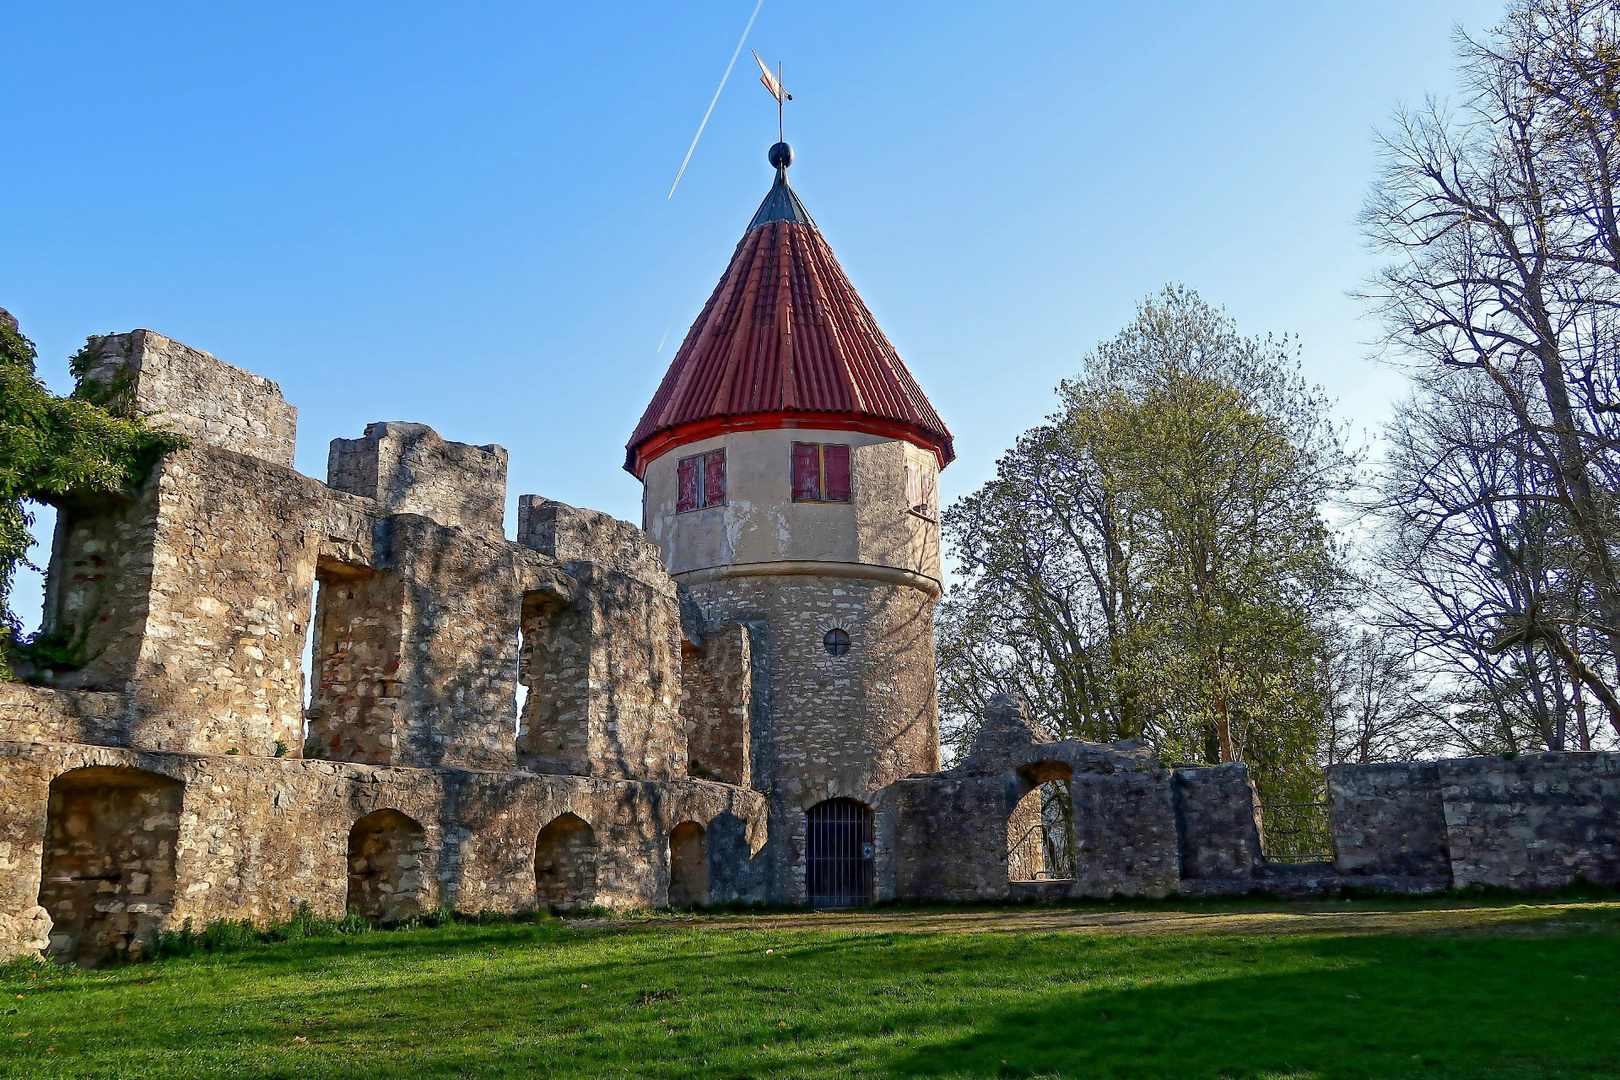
(167, 769)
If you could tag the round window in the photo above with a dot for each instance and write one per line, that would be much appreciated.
(836, 641)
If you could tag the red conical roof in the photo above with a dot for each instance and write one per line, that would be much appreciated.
(785, 341)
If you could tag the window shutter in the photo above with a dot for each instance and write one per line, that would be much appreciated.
(714, 478)
(930, 494)
(836, 459)
(806, 472)
(686, 484)
(913, 485)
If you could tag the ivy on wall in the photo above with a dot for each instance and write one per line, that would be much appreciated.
(91, 442)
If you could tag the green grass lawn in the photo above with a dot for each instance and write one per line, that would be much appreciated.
(1237, 990)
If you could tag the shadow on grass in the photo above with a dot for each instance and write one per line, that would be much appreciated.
(1380, 1008)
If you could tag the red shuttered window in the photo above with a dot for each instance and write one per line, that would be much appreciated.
(700, 481)
(714, 478)
(835, 473)
(689, 485)
(820, 472)
(806, 472)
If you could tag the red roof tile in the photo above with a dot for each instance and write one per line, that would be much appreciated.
(785, 341)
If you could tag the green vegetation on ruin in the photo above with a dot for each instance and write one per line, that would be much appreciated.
(1368, 988)
(58, 448)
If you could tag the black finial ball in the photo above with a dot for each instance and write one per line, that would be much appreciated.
(780, 155)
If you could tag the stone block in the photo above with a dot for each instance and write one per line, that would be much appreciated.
(1218, 818)
(193, 392)
(410, 469)
(1388, 819)
(571, 534)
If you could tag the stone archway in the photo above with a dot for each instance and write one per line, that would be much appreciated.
(565, 856)
(688, 866)
(1040, 829)
(108, 870)
(385, 867)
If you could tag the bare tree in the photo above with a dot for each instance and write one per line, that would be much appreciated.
(1382, 704)
(1505, 289)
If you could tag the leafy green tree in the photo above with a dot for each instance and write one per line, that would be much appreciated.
(53, 448)
(1153, 562)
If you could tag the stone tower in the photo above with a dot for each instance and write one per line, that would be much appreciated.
(790, 462)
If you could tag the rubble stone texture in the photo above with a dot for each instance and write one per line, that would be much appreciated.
(674, 731)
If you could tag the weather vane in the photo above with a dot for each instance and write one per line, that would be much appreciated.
(773, 83)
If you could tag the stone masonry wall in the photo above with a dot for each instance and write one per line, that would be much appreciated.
(717, 703)
(573, 534)
(635, 675)
(1125, 841)
(1218, 818)
(458, 654)
(191, 391)
(1536, 822)
(193, 598)
(1389, 819)
(258, 837)
(409, 469)
(220, 666)
(943, 848)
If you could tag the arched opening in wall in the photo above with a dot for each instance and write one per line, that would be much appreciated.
(385, 867)
(108, 870)
(565, 864)
(839, 853)
(688, 866)
(1040, 829)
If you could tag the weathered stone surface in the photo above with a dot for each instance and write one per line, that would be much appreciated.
(572, 534)
(603, 672)
(949, 838)
(34, 714)
(408, 469)
(196, 393)
(1389, 819)
(717, 698)
(1536, 822)
(1125, 834)
(1218, 817)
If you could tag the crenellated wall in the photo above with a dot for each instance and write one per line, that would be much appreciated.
(188, 603)
(673, 742)
(1532, 823)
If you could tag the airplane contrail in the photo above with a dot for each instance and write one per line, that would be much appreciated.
(734, 54)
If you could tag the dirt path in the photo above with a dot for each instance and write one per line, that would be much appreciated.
(1322, 917)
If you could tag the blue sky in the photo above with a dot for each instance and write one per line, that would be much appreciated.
(456, 214)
